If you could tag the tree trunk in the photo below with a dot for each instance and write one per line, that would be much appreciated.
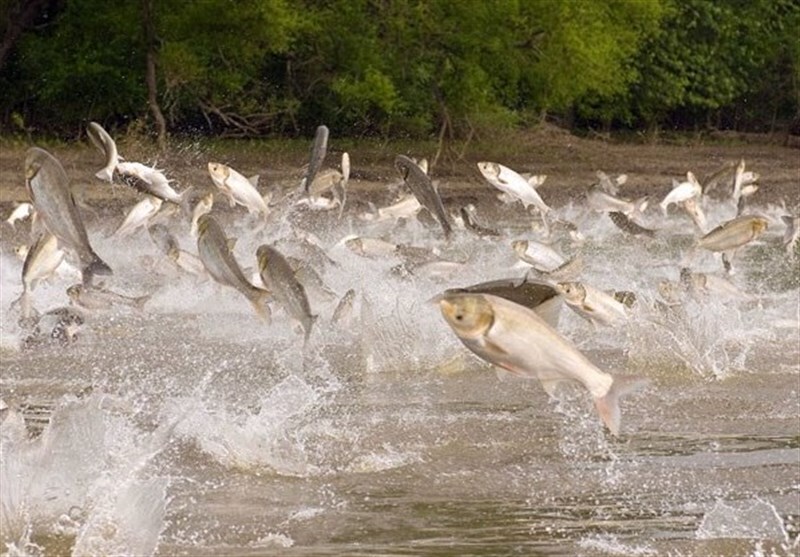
(150, 74)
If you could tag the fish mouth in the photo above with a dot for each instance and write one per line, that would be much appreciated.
(448, 308)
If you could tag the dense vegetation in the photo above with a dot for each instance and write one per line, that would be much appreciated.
(415, 68)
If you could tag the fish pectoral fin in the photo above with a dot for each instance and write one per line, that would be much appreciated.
(495, 350)
(253, 180)
(231, 243)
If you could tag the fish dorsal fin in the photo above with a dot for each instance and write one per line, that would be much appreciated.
(253, 180)
(231, 243)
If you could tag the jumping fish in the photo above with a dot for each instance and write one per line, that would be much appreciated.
(406, 207)
(202, 207)
(538, 255)
(48, 187)
(421, 186)
(238, 189)
(106, 145)
(515, 338)
(601, 201)
(318, 151)
(471, 223)
(370, 247)
(139, 215)
(681, 192)
(151, 181)
(741, 180)
(344, 309)
(734, 233)
(163, 238)
(594, 305)
(41, 261)
(510, 182)
(340, 191)
(212, 245)
(695, 211)
(703, 285)
(624, 223)
(278, 276)
(20, 212)
(101, 299)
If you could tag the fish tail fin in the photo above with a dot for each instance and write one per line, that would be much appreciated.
(95, 267)
(608, 405)
(105, 174)
(259, 301)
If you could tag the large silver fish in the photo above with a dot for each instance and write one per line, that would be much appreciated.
(734, 233)
(515, 338)
(318, 151)
(279, 277)
(594, 305)
(624, 223)
(48, 187)
(238, 189)
(101, 299)
(108, 147)
(421, 186)
(212, 246)
(513, 184)
(151, 181)
(139, 215)
(41, 261)
(601, 201)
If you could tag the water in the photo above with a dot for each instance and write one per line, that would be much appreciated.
(193, 428)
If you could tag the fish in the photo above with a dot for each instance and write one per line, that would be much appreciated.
(212, 246)
(238, 189)
(340, 190)
(20, 212)
(594, 305)
(608, 185)
(152, 181)
(734, 233)
(406, 207)
(682, 191)
(202, 207)
(421, 186)
(279, 277)
(41, 262)
(370, 247)
(106, 145)
(791, 234)
(569, 270)
(318, 151)
(138, 216)
(624, 223)
(516, 339)
(343, 313)
(540, 256)
(741, 179)
(711, 181)
(695, 211)
(93, 298)
(48, 187)
(601, 201)
(511, 183)
(536, 295)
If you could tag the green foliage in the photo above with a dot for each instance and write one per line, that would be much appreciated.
(417, 68)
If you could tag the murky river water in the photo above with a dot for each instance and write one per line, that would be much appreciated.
(193, 428)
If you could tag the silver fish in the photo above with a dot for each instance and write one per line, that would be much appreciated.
(20, 212)
(163, 238)
(681, 191)
(624, 223)
(202, 207)
(594, 305)
(420, 185)
(695, 211)
(471, 223)
(41, 261)
(212, 246)
(279, 277)
(515, 338)
(48, 187)
(603, 202)
(101, 299)
(318, 151)
(734, 233)
(107, 146)
(151, 181)
(513, 184)
(139, 215)
(238, 189)
(538, 255)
